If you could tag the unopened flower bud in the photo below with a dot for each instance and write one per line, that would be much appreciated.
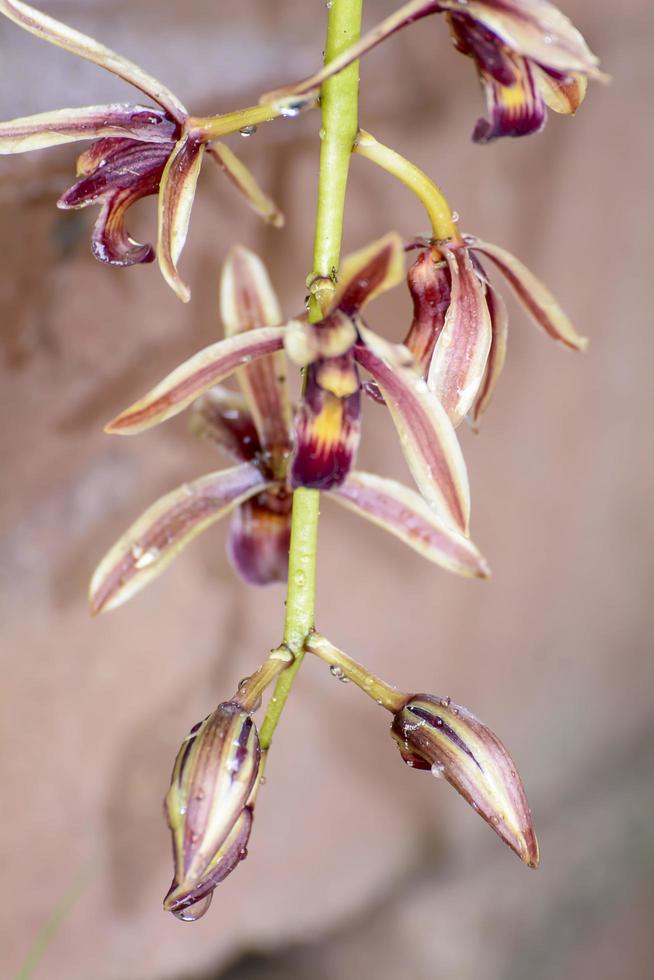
(436, 734)
(209, 806)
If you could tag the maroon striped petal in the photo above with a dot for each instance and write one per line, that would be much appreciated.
(53, 31)
(534, 296)
(496, 355)
(534, 29)
(426, 434)
(70, 125)
(428, 280)
(260, 537)
(192, 378)
(166, 527)
(248, 301)
(403, 513)
(563, 94)
(327, 425)
(223, 418)
(459, 359)
(244, 182)
(370, 271)
(176, 196)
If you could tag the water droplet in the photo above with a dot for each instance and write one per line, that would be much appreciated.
(409, 763)
(337, 672)
(455, 711)
(248, 130)
(322, 133)
(437, 770)
(194, 912)
(445, 702)
(368, 683)
(146, 558)
(329, 4)
(455, 216)
(291, 109)
(299, 578)
(188, 490)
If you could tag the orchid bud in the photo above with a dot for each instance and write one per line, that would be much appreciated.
(209, 806)
(436, 734)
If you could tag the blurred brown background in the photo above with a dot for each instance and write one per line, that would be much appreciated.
(358, 867)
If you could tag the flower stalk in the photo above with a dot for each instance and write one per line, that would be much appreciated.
(345, 667)
(339, 110)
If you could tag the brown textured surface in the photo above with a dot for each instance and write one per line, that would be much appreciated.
(371, 868)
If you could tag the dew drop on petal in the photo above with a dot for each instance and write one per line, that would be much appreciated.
(194, 912)
(437, 770)
(146, 558)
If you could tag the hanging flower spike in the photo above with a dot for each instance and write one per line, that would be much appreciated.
(459, 329)
(435, 734)
(332, 348)
(137, 152)
(253, 429)
(528, 54)
(209, 806)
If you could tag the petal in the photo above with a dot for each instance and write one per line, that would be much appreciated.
(244, 182)
(426, 434)
(404, 513)
(370, 271)
(459, 359)
(111, 242)
(260, 537)
(49, 29)
(327, 426)
(222, 417)
(111, 165)
(428, 280)
(534, 296)
(435, 734)
(195, 376)
(496, 355)
(247, 301)
(166, 527)
(561, 94)
(535, 29)
(70, 125)
(176, 197)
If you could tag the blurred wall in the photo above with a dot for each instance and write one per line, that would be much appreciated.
(357, 866)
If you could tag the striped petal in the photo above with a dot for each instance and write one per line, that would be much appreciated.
(176, 197)
(496, 355)
(49, 29)
(459, 359)
(426, 434)
(534, 296)
(248, 301)
(435, 734)
(403, 513)
(244, 182)
(327, 425)
(515, 107)
(370, 271)
(152, 542)
(563, 94)
(71, 125)
(535, 29)
(260, 538)
(195, 376)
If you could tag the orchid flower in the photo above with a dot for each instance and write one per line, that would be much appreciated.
(136, 152)
(529, 57)
(256, 429)
(459, 330)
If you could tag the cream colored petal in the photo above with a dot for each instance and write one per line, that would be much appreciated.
(496, 355)
(403, 513)
(49, 29)
(195, 376)
(151, 543)
(561, 96)
(176, 195)
(71, 125)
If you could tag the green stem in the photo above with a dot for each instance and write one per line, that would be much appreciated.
(339, 109)
(213, 127)
(344, 666)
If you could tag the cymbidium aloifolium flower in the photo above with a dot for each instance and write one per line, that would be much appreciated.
(209, 806)
(459, 330)
(528, 54)
(438, 735)
(137, 151)
(256, 429)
